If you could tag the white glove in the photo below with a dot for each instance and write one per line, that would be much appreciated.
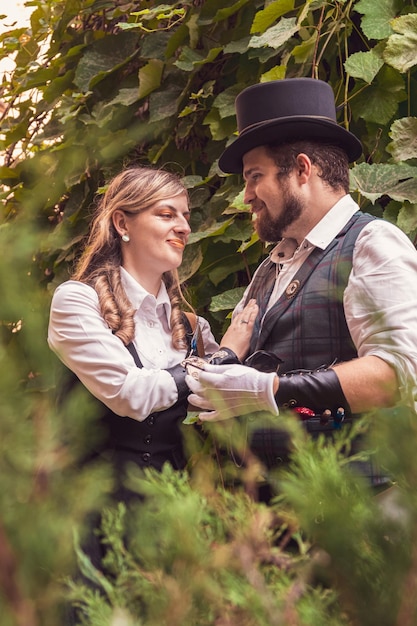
(231, 390)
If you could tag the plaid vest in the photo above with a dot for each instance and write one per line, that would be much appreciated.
(306, 327)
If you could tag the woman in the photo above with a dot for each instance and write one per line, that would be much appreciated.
(118, 325)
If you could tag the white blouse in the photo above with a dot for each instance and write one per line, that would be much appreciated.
(81, 338)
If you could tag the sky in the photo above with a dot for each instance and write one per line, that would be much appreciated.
(15, 12)
(16, 15)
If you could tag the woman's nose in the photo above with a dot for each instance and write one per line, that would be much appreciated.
(183, 226)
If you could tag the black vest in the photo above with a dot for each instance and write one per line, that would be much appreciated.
(124, 440)
(149, 443)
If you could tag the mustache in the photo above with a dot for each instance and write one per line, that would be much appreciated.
(257, 206)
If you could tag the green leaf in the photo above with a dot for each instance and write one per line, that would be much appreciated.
(239, 46)
(28, 51)
(406, 190)
(58, 86)
(224, 13)
(374, 181)
(275, 73)
(104, 56)
(225, 101)
(377, 16)
(192, 259)
(404, 139)
(275, 36)
(239, 230)
(125, 97)
(304, 51)
(364, 65)
(227, 300)
(379, 102)
(214, 230)
(237, 205)
(247, 244)
(150, 76)
(164, 104)
(191, 418)
(407, 218)
(227, 267)
(7, 173)
(220, 128)
(268, 15)
(189, 59)
(375, 105)
(192, 181)
(401, 50)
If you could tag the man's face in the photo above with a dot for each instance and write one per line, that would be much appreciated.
(272, 198)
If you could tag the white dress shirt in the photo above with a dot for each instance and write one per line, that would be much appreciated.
(81, 338)
(380, 300)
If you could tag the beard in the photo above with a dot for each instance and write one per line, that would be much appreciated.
(272, 229)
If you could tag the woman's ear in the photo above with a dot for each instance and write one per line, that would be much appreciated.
(119, 222)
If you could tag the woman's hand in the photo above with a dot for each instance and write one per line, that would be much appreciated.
(238, 335)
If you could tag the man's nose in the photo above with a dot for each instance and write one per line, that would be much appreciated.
(249, 194)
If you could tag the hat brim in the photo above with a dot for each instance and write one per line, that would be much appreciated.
(290, 129)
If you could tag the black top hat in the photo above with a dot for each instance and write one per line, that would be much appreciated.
(286, 110)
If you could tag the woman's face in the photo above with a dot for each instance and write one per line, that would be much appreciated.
(158, 236)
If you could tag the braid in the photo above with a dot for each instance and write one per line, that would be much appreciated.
(114, 304)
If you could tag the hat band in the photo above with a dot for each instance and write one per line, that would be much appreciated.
(289, 117)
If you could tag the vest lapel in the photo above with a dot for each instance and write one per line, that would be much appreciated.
(294, 287)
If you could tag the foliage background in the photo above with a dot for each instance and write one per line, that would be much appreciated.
(100, 84)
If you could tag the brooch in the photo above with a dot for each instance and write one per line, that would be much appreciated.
(292, 289)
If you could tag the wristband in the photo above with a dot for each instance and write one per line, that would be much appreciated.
(320, 390)
(178, 373)
(224, 356)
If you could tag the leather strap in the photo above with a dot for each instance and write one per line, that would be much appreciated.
(193, 321)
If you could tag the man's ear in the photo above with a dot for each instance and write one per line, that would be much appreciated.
(303, 167)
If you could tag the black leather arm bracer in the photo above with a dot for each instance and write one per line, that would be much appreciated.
(319, 390)
(178, 373)
(223, 356)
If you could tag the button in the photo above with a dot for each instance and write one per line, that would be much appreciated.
(146, 457)
(151, 420)
(147, 439)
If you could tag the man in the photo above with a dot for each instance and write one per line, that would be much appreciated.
(337, 295)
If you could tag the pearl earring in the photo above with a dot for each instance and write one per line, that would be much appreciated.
(125, 238)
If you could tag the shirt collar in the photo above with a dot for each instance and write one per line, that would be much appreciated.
(332, 223)
(141, 298)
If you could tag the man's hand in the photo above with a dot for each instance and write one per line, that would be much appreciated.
(226, 391)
